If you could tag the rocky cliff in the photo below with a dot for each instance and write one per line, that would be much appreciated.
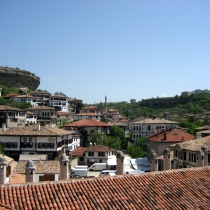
(18, 78)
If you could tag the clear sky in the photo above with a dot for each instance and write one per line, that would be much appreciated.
(120, 48)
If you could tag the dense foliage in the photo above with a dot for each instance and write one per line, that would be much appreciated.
(139, 148)
(115, 140)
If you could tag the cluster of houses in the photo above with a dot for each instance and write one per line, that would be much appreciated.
(32, 137)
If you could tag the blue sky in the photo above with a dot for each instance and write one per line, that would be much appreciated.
(120, 48)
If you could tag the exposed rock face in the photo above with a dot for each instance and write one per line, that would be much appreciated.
(18, 78)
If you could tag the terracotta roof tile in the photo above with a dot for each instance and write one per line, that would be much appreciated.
(87, 122)
(90, 107)
(194, 145)
(99, 148)
(41, 167)
(63, 113)
(175, 189)
(32, 130)
(79, 151)
(9, 108)
(40, 108)
(171, 135)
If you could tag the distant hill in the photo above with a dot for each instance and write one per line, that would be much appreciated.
(18, 78)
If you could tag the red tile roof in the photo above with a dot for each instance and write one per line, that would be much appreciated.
(175, 189)
(32, 130)
(90, 107)
(63, 113)
(79, 151)
(172, 135)
(99, 148)
(88, 122)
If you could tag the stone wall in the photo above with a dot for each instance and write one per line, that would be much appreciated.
(18, 78)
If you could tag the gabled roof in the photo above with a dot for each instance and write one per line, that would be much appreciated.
(194, 145)
(90, 107)
(63, 113)
(59, 96)
(33, 131)
(88, 114)
(9, 108)
(155, 121)
(99, 148)
(79, 151)
(40, 108)
(171, 135)
(11, 95)
(88, 122)
(175, 189)
(45, 167)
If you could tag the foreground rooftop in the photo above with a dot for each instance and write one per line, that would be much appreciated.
(174, 189)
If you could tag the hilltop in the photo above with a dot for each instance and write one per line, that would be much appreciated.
(18, 78)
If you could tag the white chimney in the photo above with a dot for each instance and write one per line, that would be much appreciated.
(38, 126)
(3, 127)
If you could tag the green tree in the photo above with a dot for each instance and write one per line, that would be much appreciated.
(112, 142)
(118, 133)
(136, 151)
(79, 105)
(103, 119)
(1, 150)
(98, 138)
(142, 142)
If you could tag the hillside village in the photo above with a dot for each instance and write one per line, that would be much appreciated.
(46, 146)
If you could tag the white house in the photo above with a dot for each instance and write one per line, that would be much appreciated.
(148, 126)
(45, 114)
(35, 139)
(59, 102)
(31, 118)
(12, 117)
(26, 99)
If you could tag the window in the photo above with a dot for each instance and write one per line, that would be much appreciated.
(30, 145)
(90, 153)
(39, 145)
(81, 158)
(185, 158)
(149, 128)
(14, 145)
(52, 145)
(45, 145)
(24, 145)
(3, 144)
(102, 154)
(30, 138)
(9, 144)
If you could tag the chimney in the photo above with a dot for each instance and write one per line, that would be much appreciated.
(164, 138)
(3, 169)
(205, 151)
(200, 158)
(51, 125)
(3, 127)
(153, 161)
(166, 159)
(38, 127)
(120, 163)
(30, 171)
(64, 168)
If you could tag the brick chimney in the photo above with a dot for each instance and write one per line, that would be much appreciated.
(154, 161)
(3, 165)
(64, 168)
(166, 159)
(205, 151)
(30, 171)
(200, 158)
(120, 163)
